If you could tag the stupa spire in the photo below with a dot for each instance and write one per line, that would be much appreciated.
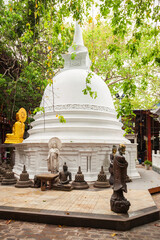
(77, 56)
(78, 38)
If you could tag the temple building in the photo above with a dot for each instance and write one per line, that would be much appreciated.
(146, 127)
(91, 126)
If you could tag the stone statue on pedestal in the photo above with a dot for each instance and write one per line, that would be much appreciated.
(64, 178)
(119, 203)
(114, 150)
(53, 155)
(18, 128)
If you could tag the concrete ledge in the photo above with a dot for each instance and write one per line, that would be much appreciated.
(121, 222)
(156, 169)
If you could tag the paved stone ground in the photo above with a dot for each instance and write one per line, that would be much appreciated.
(15, 230)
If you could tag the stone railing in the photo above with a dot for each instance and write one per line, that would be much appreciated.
(156, 161)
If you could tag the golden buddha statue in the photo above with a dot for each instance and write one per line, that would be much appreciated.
(18, 128)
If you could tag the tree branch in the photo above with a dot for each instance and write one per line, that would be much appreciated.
(109, 84)
(111, 78)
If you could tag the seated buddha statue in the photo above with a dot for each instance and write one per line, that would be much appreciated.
(18, 128)
(64, 178)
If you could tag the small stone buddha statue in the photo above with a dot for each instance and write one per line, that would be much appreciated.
(18, 128)
(64, 178)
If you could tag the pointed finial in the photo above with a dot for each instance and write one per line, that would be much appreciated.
(24, 169)
(79, 170)
(102, 171)
(81, 59)
(78, 38)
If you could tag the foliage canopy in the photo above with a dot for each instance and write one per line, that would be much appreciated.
(123, 45)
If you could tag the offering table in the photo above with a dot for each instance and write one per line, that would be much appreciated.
(51, 178)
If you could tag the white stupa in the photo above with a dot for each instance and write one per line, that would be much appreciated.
(91, 126)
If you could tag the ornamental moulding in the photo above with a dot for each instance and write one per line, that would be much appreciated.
(85, 107)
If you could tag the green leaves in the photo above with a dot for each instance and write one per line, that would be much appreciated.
(113, 48)
(73, 55)
(62, 119)
(157, 61)
(27, 30)
(132, 47)
(2, 80)
(127, 64)
(38, 109)
(88, 89)
(124, 50)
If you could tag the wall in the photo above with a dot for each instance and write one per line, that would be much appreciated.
(156, 161)
(89, 156)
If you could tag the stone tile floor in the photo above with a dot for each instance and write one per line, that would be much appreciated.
(16, 230)
(82, 201)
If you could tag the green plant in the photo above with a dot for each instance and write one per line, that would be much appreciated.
(147, 162)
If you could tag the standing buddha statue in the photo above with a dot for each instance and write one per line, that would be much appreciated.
(118, 202)
(111, 178)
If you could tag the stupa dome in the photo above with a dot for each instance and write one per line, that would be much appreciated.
(67, 88)
(87, 119)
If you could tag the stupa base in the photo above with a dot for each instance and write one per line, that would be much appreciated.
(6, 181)
(80, 185)
(98, 184)
(74, 154)
(24, 184)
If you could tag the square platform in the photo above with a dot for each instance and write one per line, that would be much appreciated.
(85, 208)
